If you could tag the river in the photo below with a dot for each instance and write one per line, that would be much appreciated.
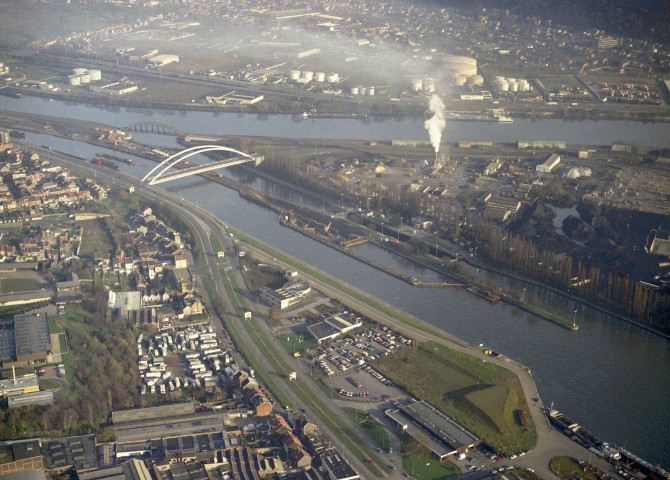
(610, 376)
(589, 132)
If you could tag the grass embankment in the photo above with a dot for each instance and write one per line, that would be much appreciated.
(341, 286)
(217, 247)
(95, 238)
(373, 428)
(480, 395)
(298, 387)
(567, 468)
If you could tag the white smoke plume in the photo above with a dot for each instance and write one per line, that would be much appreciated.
(436, 123)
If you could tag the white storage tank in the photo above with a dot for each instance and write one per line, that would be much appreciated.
(371, 91)
(79, 71)
(417, 84)
(503, 86)
(95, 75)
(308, 75)
(363, 90)
(320, 76)
(458, 80)
(333, 77)
(74, 80)
(354, 90)
(514, 86)
(429, 86)
(294, 75)
(85, 78)
(476, 80)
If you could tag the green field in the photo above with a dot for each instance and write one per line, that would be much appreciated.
(424, 467)
(217, 247)
(294, 342)
(49, 385)
(478, 394)
(559, 81)
(95, 238)
(19, 284)
(371, 426)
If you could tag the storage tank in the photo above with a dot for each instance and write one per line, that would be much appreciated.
(320, 77)
(363, 90)
(371, 91)
(458, 80)
(354, 90)
(308, 75)
(510, 80)
(429, 86)
(74, 80)
(476, 80)
(503, 86)
(79, 71)
(294, 75)
(95, 75)
(514, 86)
(85, 78)
(417, 84)
(499, 79)
(333, 77)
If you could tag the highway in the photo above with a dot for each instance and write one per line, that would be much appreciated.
(550, 442)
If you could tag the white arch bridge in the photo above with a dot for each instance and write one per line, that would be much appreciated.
(173, 160)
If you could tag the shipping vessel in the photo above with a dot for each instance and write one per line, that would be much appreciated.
(105, 163)
(625, 461)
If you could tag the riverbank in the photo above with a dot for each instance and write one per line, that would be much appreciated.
(584, 112)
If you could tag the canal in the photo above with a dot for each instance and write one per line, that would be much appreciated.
(611, 377)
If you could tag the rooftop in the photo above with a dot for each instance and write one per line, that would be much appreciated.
(31, 334)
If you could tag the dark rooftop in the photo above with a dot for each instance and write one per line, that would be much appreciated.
(31, 333)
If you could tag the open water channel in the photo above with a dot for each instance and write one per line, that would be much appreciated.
(610, 376)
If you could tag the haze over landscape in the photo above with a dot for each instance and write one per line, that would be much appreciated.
(334, 239)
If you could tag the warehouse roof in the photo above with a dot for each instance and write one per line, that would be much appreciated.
(31, 332)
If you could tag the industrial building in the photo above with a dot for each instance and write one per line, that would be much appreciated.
(429, 426)
(290, 294)
(32, 341)
(331, 327)
(233, 98)
(78, 452)
(162, 59)
(549, 164)
(540, 144)
(337, 467)
(170, 429)
(19, 385)
(20, 456)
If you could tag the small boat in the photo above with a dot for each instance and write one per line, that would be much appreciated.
(504, 119)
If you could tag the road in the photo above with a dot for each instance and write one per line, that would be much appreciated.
(550, 442)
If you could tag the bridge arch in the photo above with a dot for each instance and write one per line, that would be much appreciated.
(155, 127)
(184, 154)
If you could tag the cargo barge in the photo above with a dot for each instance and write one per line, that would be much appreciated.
(105, 163)
(491, 297)
(625, 461)
(115, 158)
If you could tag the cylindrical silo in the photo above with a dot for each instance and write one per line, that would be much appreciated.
(503, 86)
(308, 75)
(85, 78)
(294, 75)
(514, 86)
(354, 90)
(476, 80)
(333, 77)
(95, 75)
(363, 90)
(74, 80)
(320, 76)
(79, 71)
(417, 84)
(510, 80)
(429, 86)
(371, 91)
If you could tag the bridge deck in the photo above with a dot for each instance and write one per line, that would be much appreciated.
(194, 170)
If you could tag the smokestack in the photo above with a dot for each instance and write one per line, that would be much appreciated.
(435, 124)
(14, 374)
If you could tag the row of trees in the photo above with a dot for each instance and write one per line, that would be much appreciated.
(633, 298)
